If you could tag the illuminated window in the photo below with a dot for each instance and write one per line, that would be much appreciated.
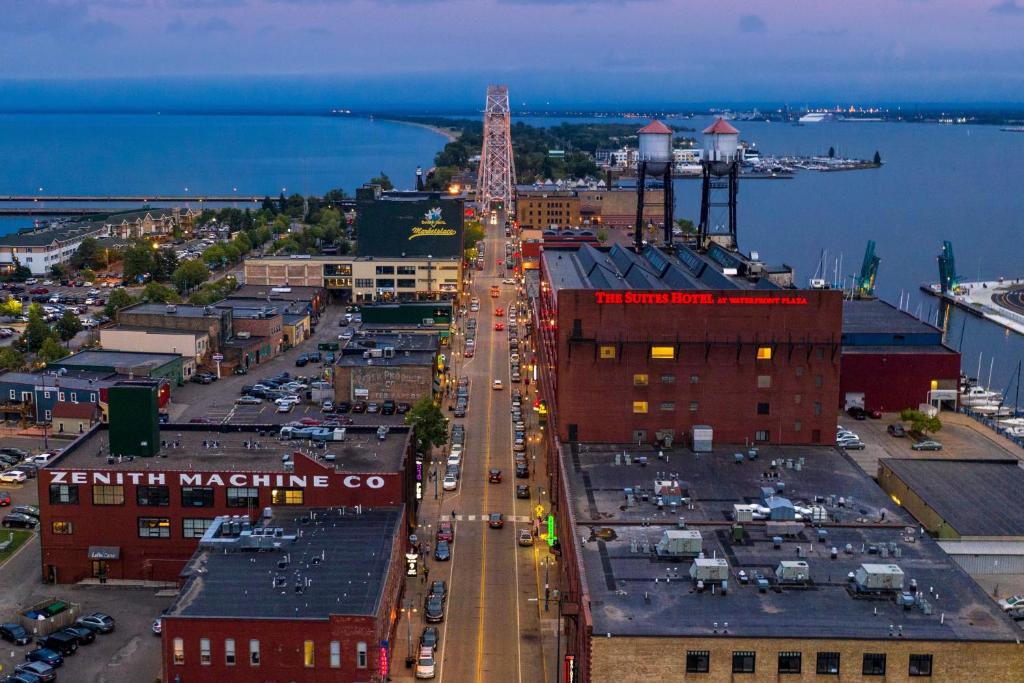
(179, 650)
(286, 496)
(764, 381)
(639, 406)
(934, 384)
(63, 528)
(229, 651)
(608, 352)
(307, 654)
(663, 352)
(639, 380)
(764, 353)
(204, 651)
(107, 495)
(154, 527)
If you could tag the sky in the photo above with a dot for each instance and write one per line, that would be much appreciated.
(439, 54)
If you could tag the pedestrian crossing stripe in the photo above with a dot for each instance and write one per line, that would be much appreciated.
(521, 519)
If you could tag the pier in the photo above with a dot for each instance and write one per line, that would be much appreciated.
(1001, 301)
(136, 198)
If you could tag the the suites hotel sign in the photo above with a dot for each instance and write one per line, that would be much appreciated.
(698, 299)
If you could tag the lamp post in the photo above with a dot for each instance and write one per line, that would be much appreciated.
(409, 611)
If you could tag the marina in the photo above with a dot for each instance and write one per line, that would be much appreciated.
(1000, 301)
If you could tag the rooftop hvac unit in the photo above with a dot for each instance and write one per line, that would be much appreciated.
(793, 571)
(743, 513)
(709, 569)
(679, 543)
(878, 577)
(389, 351)
(376, 353)
(702, 437)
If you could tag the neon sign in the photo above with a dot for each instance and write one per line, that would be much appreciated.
(699, 299)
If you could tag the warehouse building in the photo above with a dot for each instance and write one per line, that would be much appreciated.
(191, 345)
(380, 367)
(892, 361)
(173, 367)
(971, 506)
(771, 564)
(322, 590)
(215, 323)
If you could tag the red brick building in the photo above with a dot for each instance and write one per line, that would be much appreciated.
(141, 518)
(670, 341)
(316, 601)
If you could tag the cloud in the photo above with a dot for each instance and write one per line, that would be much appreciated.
(572, 2)
(211, 25)
(1007, 7)
(751, 23)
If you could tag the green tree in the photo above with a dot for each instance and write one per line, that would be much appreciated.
(86, 254)
(68, 326)
(382, 180)
(10, 308)
(51, 350)
(602, 235)
(429, 424)
(11, 359)
(921, 422)
(59, 271)
(262, 235)
(137, 260)
(37, 330)
(154, 292)
(472, 232)
(214, 256)
(88, 274)
(686, 225)
(118, 299)
(831, 152)
(164, 263)
(190, 275)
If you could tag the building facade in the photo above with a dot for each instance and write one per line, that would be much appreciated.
(172, 367)
(544, 209)
(215, 323)
(194, 345)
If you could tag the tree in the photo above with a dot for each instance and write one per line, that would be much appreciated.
(382, 180)
(51, 350)
(68, 326)
(268, 205)
(686, 225)
(878, 158)
(190, 275)
(10, 308)
(831, 152)
(86, 254)
(59, 271)
(137, 260)
(11, 359)
(282, 203)
(472, 232)
(37, 330)
(88, 274)
(428, 423)
(164, 263)
(118, 299)
(920, 422)
(154, 292)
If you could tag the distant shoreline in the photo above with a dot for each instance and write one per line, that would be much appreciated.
(450, 135)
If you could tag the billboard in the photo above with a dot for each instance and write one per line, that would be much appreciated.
(410, 227)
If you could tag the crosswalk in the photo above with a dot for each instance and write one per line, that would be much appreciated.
(483, 518)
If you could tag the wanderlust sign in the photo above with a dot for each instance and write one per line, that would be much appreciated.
(698, 299)
(432, 225)
(237, 479)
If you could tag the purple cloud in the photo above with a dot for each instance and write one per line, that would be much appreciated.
(751, 23)
(1007, 7)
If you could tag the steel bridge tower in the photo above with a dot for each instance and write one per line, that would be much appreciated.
(496, 184)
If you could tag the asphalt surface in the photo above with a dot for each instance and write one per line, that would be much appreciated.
(1012, 299)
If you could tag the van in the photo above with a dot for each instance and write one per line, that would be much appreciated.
(425, 663)
(60, 642)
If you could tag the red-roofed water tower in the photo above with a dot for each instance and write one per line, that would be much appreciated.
(654, 160)
(720, 185)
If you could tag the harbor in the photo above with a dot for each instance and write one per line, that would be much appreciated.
(1000, 301)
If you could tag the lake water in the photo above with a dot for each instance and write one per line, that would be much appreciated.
(960, 183)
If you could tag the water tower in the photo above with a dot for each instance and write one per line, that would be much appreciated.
(721, 170)
(655, 161)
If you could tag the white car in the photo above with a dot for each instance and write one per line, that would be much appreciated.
(13, 477)
(248, 400)
(285, 407)
(287, 401)
(508, 281)
(497, 385)
(455, 459)
(425, 663)
(450, 482)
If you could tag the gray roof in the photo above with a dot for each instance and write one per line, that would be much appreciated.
(180, 310)
(155, 330)
(71, 380)
(299, 294)
(344, 556)
(629, 595)
(975, 497)
(117, 359)
(410, 341)
(401, 358)
(89, 227)
(875, 315)
(916, 349)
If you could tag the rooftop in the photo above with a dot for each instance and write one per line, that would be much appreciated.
(334, 562)
(154, 330)
(299, 307)
(875, 315)
(401, 358)
(985, 500)
(631, 592)
(241, 448)
(683, 268)
(289, 293)
(656, 127)
(179, 310)
(89, 227)
(720, 127)
(117, 359)
(409, 341)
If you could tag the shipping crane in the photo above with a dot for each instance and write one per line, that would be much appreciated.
(868, 272)
(949, 281)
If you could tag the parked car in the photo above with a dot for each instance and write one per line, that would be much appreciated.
(433, 610)
(15, 633)
(359, 407)
(425, 668)
(342, 407)
(387, 408)
(430, 637)
(857, 413)
(13, 477)
(402, 408)
(30, 510)
(44, 655)
(445, 531)
(852, 445)
(372, 408)
(302, 361)
(450, 482)
(81, 634)
(896, 430)
(61, 642)
(20, 520)
(97, 621)
(327, 406)
(927, 445)
(442, 551)
(248, 400)
(42, 671)
(22, 677)
(5, 499)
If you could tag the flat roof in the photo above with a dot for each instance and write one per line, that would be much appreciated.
(916, 349)
(408, 341)
(222, 448)
(180, 310)
(682, 268)
(875, 315)
(295, 293)
(300, 307)
(154, 330)
(975, 497)
(401, 358)
(340, 559)
(117, 359)
(632, 593)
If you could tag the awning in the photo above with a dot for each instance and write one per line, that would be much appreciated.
(104, 552)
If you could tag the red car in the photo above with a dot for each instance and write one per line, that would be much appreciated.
(311, 422)
(499, 326)
(445, 532)
(5, 499)
(39, 290)
(500, 262)
(499, 312)
(469, 352)
(494, 476)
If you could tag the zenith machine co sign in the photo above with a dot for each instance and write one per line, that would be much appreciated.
(237, 479)
(698, 299)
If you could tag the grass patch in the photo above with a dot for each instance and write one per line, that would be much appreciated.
(20, 536)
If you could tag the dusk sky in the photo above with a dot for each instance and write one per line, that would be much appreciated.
(555, 53)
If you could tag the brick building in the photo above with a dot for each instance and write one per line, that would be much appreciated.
(549, 208)
(322, 599)
(671, 341)
(542, 209)
(214, 322)
(140, 517)
(379, 367)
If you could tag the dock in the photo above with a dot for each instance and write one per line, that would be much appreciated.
(1001, 301)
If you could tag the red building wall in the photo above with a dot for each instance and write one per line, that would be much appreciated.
(66, 556)
(716, 339)
(895, 381)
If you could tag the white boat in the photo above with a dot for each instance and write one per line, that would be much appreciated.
(977, 395)
(1015, 431)
(992, 409)
(1012, 422)
(816, 117)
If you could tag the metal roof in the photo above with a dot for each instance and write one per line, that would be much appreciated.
(875, 315)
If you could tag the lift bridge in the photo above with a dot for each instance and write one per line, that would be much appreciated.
(496, 184)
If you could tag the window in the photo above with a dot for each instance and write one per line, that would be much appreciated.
(764, 381)
(286, 496)
(743, 662)
(667, 405)
(763, 409)
(817, 408)
(762, 435)
(663, 352)
(195, 528)
(828, 663)
(764, 353)
(307, 654)
(818, 381)
(204, 651)
(60, 396)
(335, 654)
(694, 379)
(154, 527)
(874, 664)
(63, 528)
(640, 380)
(799, 371)
(668, 379)
(797, 398)
(607, 352)
(229, 651)
(789, 662)
(407, 283)
(797, 425)
(153, 496)
(385, 270)
(698, 661)
(820, 352)
(920, 665)
(364, 282)
(107, 495)
(254, 652)
(361, 655)
(74, 397)
(406, 270)
(179, 650)
(385, 282)
(694, 406)
(197, 496)
(243, 497)
(63, 494)
(639, 406)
